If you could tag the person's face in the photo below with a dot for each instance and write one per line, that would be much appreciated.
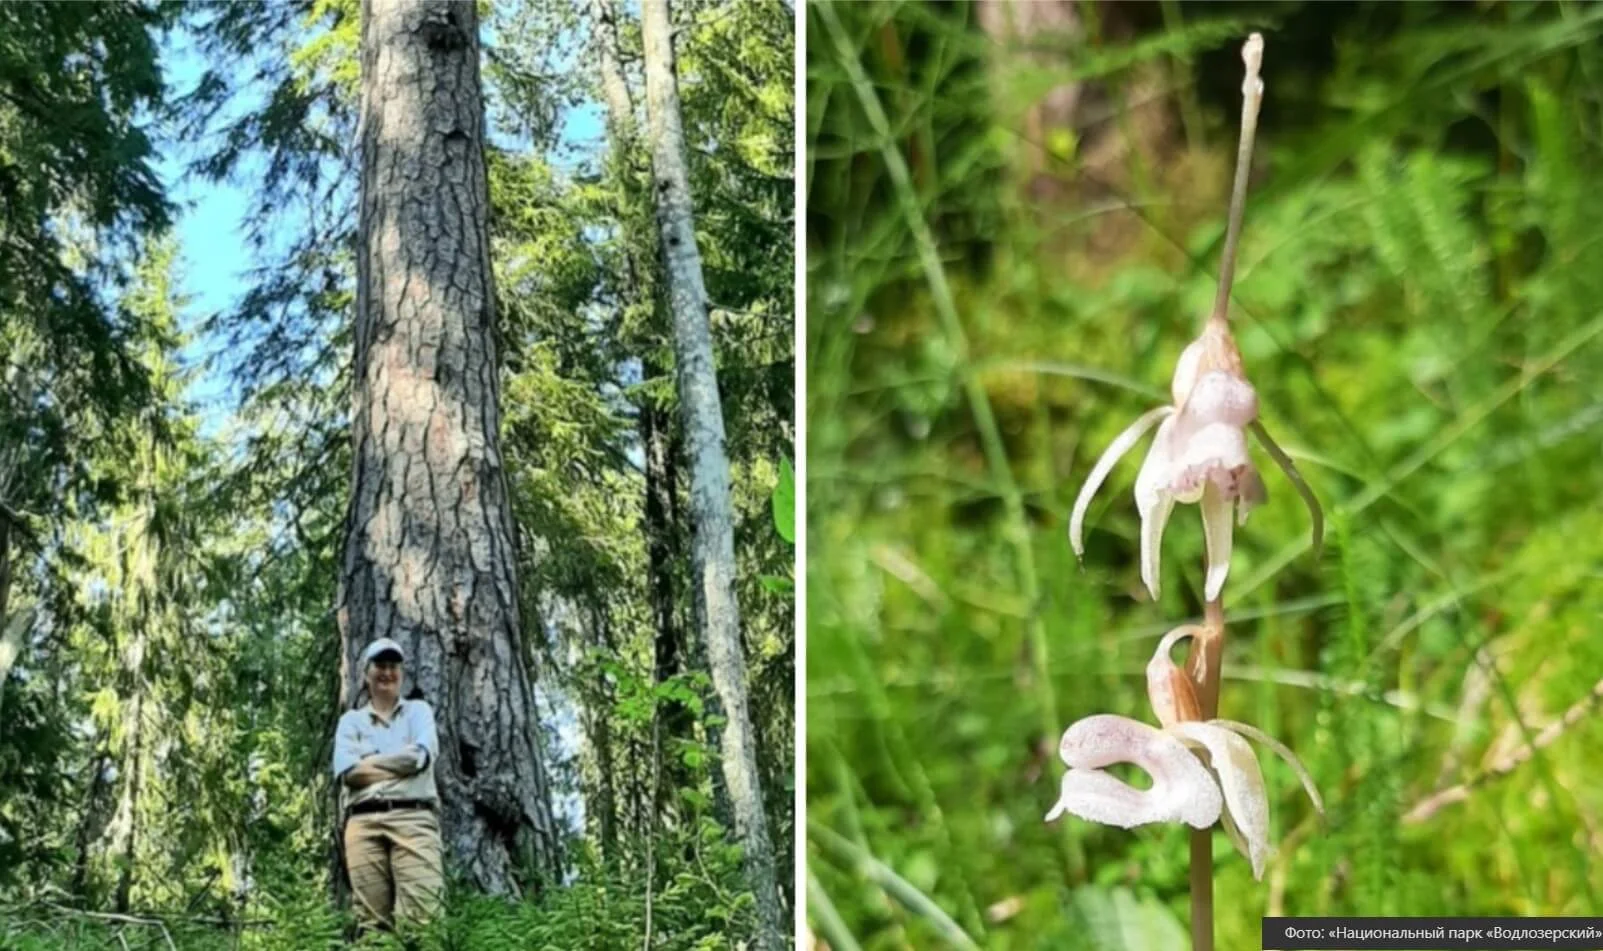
(384, 678)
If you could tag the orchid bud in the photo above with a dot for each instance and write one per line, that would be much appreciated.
(1173, 695)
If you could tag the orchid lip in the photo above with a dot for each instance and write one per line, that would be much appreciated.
(1182, 789)
(1229, 788)
(1220, 782)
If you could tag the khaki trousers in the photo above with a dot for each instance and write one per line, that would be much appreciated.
(395, 866)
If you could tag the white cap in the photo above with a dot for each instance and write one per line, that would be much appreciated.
(381, 646)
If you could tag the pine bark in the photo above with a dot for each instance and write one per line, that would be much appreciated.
(711, 509)
(429, 555)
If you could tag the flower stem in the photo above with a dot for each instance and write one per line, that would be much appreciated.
(1207, 649)
(1252, 96)
(1201, 890)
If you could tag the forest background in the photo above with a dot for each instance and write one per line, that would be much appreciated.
(177, 275)
(1416, 302)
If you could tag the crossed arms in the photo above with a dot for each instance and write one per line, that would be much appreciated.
(378, 767)
(359, 771)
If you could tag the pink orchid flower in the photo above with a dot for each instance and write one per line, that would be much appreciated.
(1198, 456)
(1202, 771)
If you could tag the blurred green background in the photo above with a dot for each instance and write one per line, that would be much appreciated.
(1014, 219)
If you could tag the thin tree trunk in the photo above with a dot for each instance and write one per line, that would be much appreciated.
(125, 828)
(429, 557)
(601, 733)
(664, 551)
(90, 825)
(711, 510)
(662, 535)
(656, 424)
(5, 571)
(128, 810)
(606, 806)
(12, 630)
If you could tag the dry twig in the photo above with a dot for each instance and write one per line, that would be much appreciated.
(1434, 803)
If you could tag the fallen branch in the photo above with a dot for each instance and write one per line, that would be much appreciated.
(1435, 802)
(147, 919)
(125, 919)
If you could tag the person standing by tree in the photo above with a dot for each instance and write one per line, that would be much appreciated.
(431, 548)
(384, 754)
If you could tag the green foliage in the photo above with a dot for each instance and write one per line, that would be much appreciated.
(76, 84)
(1416, 306)
(785, 503)
(697, 905)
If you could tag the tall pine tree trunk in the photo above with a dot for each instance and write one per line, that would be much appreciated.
(429, 556)
(711, 510)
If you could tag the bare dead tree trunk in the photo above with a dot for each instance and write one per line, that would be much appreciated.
(429, 557)
(656, 424)
(711, 510)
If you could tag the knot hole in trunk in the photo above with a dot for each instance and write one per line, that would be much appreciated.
(442, 32)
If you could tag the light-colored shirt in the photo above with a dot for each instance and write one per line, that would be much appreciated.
(363, 732)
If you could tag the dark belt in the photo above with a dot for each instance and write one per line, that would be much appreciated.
(391, 805)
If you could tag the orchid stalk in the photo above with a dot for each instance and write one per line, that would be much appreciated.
(1204, 769)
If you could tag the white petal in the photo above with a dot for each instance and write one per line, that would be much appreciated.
(1236, 765)
(1315, 513)
(1152, 482)
(1121, 444)
(1215, 453)
(1220, 397)
(1217, 529)
(1185, 372)
(1234, 833)
(1284, 752)
(1182, 788)
(1154, 502)
(1152, 543)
